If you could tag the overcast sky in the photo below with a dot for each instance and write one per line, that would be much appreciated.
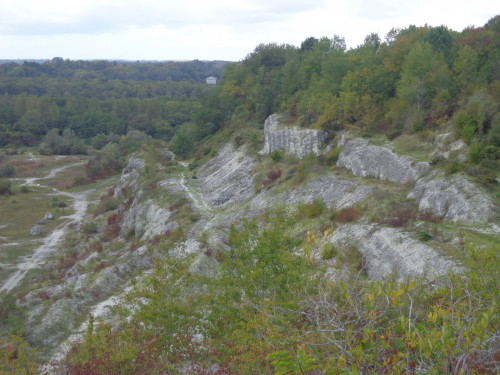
(209, 29)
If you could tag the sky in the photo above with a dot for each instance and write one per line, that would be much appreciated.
(210, 29)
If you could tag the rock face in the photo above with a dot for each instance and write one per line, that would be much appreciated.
(133, 165)
(147, 220)
(332, 191)
(448, 148)
(453, 198)
(380, 162)
(130, 178)
(388, 250)
(291, 139)
(228, 177)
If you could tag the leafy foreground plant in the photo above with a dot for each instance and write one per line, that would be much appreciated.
(270, 310)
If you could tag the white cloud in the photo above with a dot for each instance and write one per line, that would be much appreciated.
(218, 29)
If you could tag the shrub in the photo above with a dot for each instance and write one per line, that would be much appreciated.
(238, 141)
(348, 215)
(79, 180)
(329, 251)
(272, 176)
(24, 189)
(311, 210)
(101, 266)
(454, 167)
(7, 171)
(90, 228)
(401, 217)
(114, 226)
(430, 216)
(333, 155)
(276, 156)
(5, 188)
(424, 236)
(107, 203)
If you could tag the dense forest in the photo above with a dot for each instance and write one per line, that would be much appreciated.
(418, 79)
(99, 97)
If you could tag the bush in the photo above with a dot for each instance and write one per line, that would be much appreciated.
(454, 167)
(24, 189)
(348, 215)
(271, 177)
(79, 180)
(5, 188)
(90, 228)
(333, 155)
(276, 156)
(424, 236)
(311, 210)
(7, 171)
(107, 203)
(329, 252)
(401, 217)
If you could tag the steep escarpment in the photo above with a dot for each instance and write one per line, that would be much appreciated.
(291, 139)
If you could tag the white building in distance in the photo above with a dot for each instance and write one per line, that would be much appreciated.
(211, 80)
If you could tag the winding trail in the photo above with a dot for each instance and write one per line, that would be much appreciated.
(49, 245)
(198, 201)
(101, 309)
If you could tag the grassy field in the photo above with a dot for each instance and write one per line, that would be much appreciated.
(20, 211)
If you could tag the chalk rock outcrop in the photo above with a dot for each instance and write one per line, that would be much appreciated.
(147, 220)
(332, 191)
(448, 148)
(36, 231)
(388, 250)
(49, 216)
(380, 162)
(453, 198)
(227, 178)
(130, 178)
(291, 139)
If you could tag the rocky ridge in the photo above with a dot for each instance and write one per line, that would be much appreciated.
(224, 193)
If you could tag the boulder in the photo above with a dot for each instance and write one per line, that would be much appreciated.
(49, 216)
(168, 154)
(380, 162)
(453, 198)
(36, 231)
(42, 222)
(292, 140)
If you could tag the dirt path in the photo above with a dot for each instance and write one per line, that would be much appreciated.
(197, 199)
(49, 245)
(30, 180)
